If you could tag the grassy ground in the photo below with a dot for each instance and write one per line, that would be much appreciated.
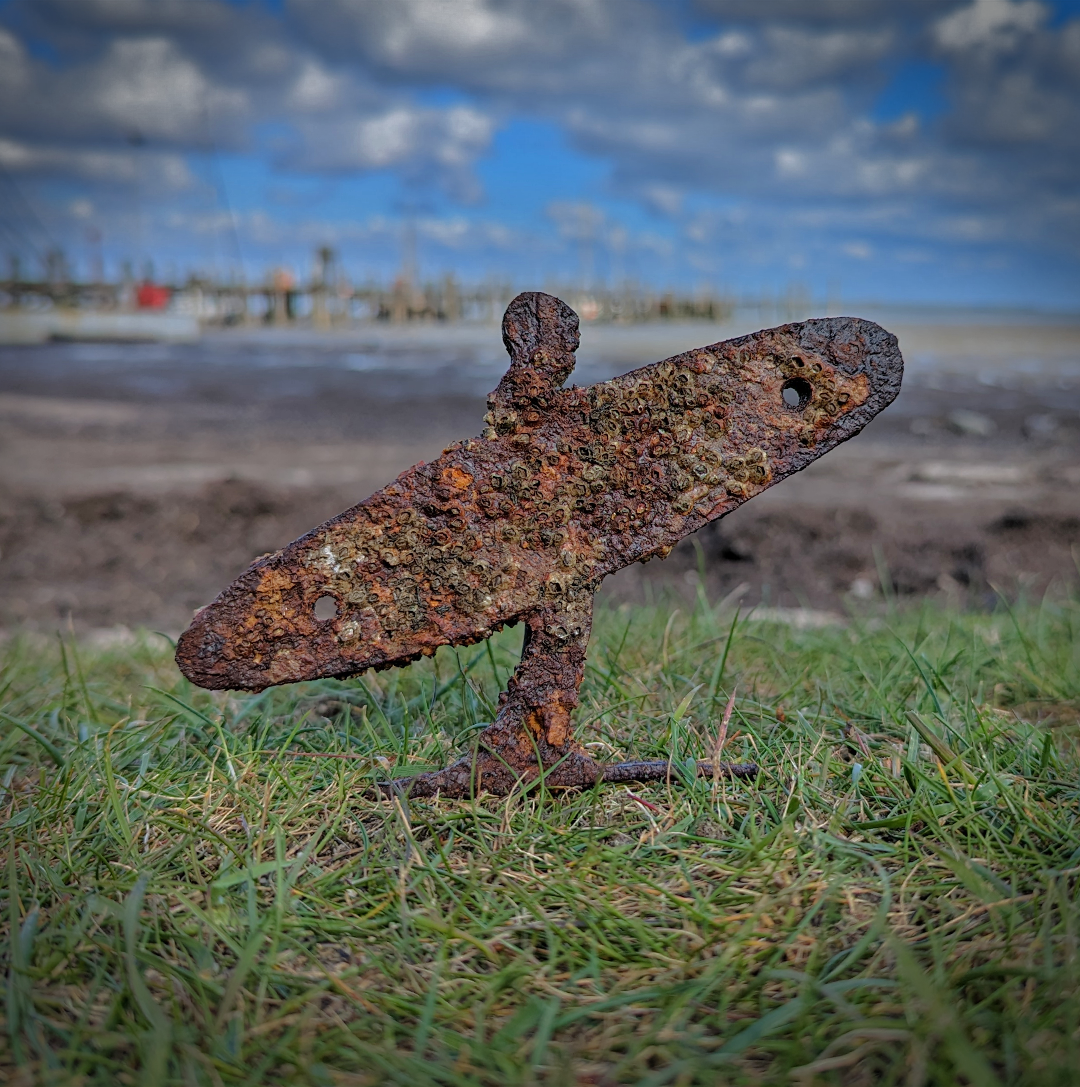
(186, 900)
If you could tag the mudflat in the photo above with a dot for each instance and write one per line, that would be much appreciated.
(137, 480)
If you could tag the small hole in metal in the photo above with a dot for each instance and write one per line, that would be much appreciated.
(325, 608)
(797, 393)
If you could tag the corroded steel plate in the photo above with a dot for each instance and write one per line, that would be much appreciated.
(521, 524)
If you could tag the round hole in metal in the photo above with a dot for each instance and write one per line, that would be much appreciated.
(797, 393)
(325, 608)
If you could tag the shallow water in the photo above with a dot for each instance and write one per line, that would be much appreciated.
(384, 382)
(469, 358)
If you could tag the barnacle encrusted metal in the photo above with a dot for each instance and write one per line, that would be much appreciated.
(521, 524)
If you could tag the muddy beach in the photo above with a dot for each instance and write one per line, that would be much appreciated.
(136, 480)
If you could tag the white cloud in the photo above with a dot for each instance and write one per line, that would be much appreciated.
(148, 86)
(194, 75)
(734, 43)
(373, 142)
(315, 87)
(441, 144)
(990, 24)
(152, 170)
(663, 199)
(494, 44)
(790, 162)
(794, 57)
(14, 64)
(451, 30)
(1014, 81)
(771, 107)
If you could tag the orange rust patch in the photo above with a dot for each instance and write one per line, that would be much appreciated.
(559, 732)
(274, 583)
(458, 478)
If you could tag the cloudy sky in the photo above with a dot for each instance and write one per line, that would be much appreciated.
(906, 150)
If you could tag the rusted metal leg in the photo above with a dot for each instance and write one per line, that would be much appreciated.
(533, 730)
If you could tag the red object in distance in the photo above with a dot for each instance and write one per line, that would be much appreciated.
(151, 296)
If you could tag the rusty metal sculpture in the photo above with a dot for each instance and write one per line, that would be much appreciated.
(564, 487)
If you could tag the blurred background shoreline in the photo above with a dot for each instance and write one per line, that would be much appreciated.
(136, 479)
(59, 308)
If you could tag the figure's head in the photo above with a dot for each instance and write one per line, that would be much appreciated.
(536, 322)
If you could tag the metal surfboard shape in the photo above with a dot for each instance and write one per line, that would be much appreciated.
(521, 524)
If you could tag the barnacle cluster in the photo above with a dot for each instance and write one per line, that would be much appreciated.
(829, 398)
(565, 486)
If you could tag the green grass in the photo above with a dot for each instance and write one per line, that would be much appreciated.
(895, 901)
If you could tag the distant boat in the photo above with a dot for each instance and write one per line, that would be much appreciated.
(147, 324)
(152, 296)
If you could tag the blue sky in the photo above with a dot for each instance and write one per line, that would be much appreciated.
(896, 150)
